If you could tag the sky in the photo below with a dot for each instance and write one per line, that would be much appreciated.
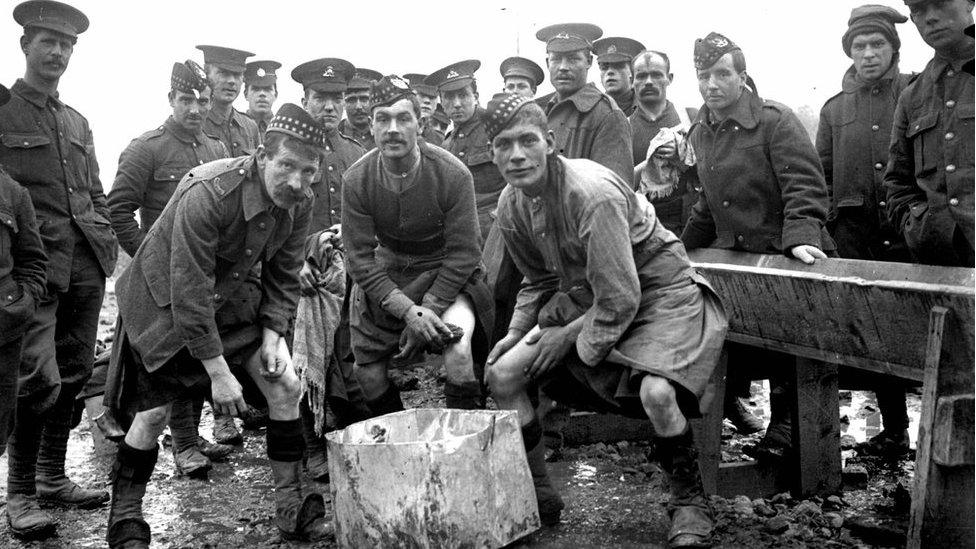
(118, 76)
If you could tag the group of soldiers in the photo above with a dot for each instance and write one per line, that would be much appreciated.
(539, 244)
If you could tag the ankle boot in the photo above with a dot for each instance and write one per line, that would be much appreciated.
(778, 440)
(691, 516)
(316, 457)
(53, 486)
(130, 474)
(225, 430)
(297, 517)
(549, 502)
(464, 396)
(387, 403)
(26, 518)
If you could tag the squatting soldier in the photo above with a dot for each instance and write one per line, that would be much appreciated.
(852, 141)
(261, 91)
(584, 120)
(521, 76)
(613, 57)
(467, 140)
(430, 128)
(613, 318)
(930, 171)
(149, 170)
(179, 329)
(356, 123)
(763, 191)
(22, 265)
(225, 70)
(47, 147)
(410, 231)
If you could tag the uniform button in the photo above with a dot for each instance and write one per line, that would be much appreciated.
(949, 136)
(328, 148)
(950, 168)
(261, 225)
(882, 203)
(461, 153)
(460, 135)
(332, 212)
(26, 143)
(331, 189)
(950, 103)
(725, 203)
(235, 144)
(875, 91)
(331, 168)
(875, 127)
(950, 72)
(740, 238)
(878, 165)
(201, 162)
(65, 161)
(248, 252)
(953, 201)
(887, 243)
(216, 297)
(171, 176)
(542, 234)
(241, 171)
(70, 190)
(10, 297)
(236, 275)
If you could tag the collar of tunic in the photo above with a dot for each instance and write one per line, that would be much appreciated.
(747, 111)
(34, 95)
(181, 133)
(584, 99)
(851, 83)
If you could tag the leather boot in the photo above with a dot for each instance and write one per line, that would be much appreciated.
(297, 517)
(550, 504)
(190, 462)
(53, 486)
(745, 422)
(225, 430)
(255, 418)
(316, 457)
(464, 396)
(26, 518)
(691, 516)
(127, 529)
(778, 440)
(187, 458)
(213, 451)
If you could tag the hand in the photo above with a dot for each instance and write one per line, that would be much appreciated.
(422, 327)
(553, 344)
(807, 253)
(505, 345)
(228, 397)
(275, 358)
(665, 151)
(308, 278)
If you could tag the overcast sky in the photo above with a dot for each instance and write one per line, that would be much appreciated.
(119, 74)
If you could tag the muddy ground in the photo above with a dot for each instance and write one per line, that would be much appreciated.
(615, 493)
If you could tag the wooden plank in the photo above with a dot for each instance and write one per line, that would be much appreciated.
(752, 478)
(816, 429)
(952, 432)
(708, 428)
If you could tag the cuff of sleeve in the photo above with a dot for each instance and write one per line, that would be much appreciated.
(435, 304)
(205, 346)
(798, 233)
(274, 320)
(397, 303)
(590, 355)
(521, 322)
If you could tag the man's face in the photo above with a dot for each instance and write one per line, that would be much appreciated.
(520, 153)
(567, 71)
(651, 80)
(941, 22)
(460, 104)
(616, 77)
(260, 99)
(520, 85)
(427, 104)
(287, 175)
(721, 85)
(395, 129)
(872, 54)
(357, 107)
(189, 110)
(226, 84)
(324, 106)
(48, 53)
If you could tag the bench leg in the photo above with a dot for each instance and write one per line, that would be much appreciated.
(708, 429)
(816, 429)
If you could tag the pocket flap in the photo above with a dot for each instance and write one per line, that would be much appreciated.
(479, 155)
(170, 173)
(24, 141)
(850, 202)
(965, 110)
(8, 220)
(923, 123)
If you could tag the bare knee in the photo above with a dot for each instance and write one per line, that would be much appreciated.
(505, 378)
(154, 419)
(458, 362)
(286, 390)
(657, 393)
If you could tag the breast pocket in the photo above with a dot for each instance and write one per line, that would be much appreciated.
(480, 154)
(165, 180)
(27, 156)
(922, 134)
(80, 159)
(965, 113)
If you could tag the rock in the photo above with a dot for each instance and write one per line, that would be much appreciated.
(833, 503)
(824, 532)
(763, 509)
(623, 445)
(742, 506)
(777, 525)
(877, 533)
(834, 520)
(902, 495)
(855, 476)
(847, 442)
(782, 497)
(807, 508)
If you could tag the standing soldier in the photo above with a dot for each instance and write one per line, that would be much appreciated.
(930, 171)
(852, 141)
(356, 124)
(613, 57)
(182, 327)
(47, 147)
(410, 230)
(433, 120)
(521, 76)
(467, 140)
(584, 120)
(149, 169)
(225, 70)
(261, 91)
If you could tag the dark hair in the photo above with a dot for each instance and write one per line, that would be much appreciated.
(274, 141)
(647, 53)
(31, 32)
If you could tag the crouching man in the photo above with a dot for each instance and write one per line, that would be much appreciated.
(610, 317)
(190, 315)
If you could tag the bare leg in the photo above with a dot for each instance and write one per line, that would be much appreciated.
(382, 397)
(463, 388)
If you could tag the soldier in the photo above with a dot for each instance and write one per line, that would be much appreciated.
(356, 123)
(22, 265)
(585, 121)
(763, 191)
(437, 126)
(852, 141)
(458, 90)
(613, 318)
(261, 91)
(930, 168)
(521, 76)
(149, 169)
(47, 147)
(410, 230)
(433, 126)
(179, 329)
(225, 70)
(613, 57)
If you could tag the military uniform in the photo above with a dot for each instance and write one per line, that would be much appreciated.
(149, 170)
(238, 132)
(929, 178)
(261, 121)
(261, 74)
(360, 82)
(469, 143)
(341, 153)
(362, 136)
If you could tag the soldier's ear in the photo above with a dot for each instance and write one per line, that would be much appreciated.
(550, 142)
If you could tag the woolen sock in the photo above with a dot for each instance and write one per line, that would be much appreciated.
(285, 440)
